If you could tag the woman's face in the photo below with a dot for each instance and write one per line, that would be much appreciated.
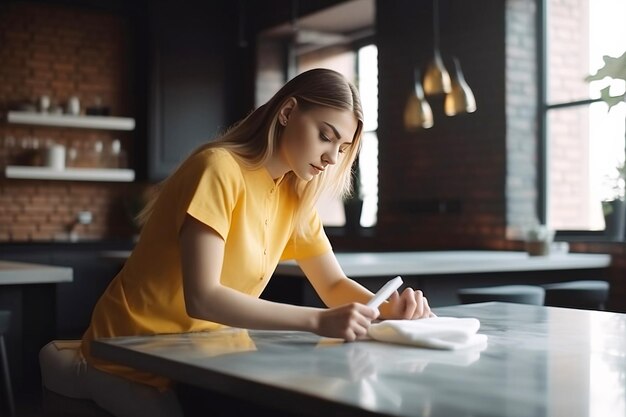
(314, 139)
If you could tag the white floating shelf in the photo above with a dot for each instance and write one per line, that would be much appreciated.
(70, 174)
(65, 120)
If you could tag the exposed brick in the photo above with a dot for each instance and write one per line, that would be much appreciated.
(46, 49)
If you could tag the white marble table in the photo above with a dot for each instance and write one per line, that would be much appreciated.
(368, 264)
(18, 273)
(539, 361)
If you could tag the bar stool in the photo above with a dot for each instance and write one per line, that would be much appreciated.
(5, 319)
(522, 294)
(587, 295)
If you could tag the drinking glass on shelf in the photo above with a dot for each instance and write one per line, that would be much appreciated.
(71, 157)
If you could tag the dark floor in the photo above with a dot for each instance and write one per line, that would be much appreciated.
(34, 402)
(27, 404)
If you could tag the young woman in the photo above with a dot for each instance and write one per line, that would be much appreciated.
(237, 206)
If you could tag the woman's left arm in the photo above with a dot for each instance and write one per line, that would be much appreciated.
(335, 289)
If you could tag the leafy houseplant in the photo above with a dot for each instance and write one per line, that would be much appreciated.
(614, 210)
(613, 68)
(618, 187)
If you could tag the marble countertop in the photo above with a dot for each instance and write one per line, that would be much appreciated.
(15, 273)
(366, 264)
(539, 361)
(453, 262)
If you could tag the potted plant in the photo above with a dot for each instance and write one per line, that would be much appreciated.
(614, 209)
(353, 203)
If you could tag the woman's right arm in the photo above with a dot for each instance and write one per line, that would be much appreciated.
(202, 254)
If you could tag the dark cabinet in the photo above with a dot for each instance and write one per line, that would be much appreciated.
(75, 300)
(191, 84)
(43, 312)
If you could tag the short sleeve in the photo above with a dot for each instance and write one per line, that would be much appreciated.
(216, 181)
(314, 243)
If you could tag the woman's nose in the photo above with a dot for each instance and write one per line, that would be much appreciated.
(331, 156)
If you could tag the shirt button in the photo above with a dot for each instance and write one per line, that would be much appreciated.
(264, 251)
(261, 278)
(272, 191)
(266, 222)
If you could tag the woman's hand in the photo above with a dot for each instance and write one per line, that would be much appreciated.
(348, 322)
(411, 304)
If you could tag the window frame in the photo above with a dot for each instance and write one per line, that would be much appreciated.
(543, 109)
(363, 231)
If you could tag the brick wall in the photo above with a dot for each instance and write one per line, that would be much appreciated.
(521, 116)
(61, 52)
(443, 187)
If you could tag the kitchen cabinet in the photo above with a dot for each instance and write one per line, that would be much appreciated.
(191, 79)
(43, 311)
(73, 301)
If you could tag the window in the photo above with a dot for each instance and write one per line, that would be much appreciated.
(360, 65)
(340, 38)
(584, 142)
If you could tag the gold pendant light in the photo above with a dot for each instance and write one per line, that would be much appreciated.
(436, 77)
(417, 111)
(460, 99)
(458, 95)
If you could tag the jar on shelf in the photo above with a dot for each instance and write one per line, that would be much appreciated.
(117, 155)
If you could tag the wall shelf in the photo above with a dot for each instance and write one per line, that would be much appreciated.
(64, 120)
(70, 174)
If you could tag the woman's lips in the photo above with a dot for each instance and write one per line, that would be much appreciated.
(317, 169)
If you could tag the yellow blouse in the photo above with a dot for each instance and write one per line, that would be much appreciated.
(253, 214)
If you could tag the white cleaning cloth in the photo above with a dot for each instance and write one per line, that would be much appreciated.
(448, 333)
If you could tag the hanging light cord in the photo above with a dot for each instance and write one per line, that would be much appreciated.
(294, 15)
(242, 24)
(436, 24)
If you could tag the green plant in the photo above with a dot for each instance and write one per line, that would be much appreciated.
(618, 187)
(613, 68)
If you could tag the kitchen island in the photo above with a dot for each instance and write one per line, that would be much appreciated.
(441, 273)
(538, 361)
(20, 273)
(28, 291)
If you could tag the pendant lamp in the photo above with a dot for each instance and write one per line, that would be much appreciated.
(458, 95)
(460, 99)
(436, 77)
(417, 111)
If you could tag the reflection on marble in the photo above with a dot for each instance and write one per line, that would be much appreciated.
(539, 361)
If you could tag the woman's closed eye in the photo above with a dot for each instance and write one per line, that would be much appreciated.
(325, 138)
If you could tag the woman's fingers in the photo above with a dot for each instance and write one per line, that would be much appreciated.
(411, 302)
(348, 322)
(425, 309)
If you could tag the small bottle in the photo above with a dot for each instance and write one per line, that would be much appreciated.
(118, 155)
(94, 157)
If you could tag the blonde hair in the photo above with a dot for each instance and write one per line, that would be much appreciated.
(255, 139)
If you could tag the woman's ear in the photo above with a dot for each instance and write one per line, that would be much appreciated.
(287, 108)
